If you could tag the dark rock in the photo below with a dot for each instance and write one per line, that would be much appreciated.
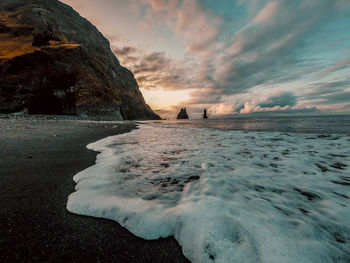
(310, 196)
(339, 166)
(193, 178)
(43, 40)
(182, 114)
(205, 114)
(53, 61)
(322, 167)
(20, 113)
(341, 182)
(304, 211)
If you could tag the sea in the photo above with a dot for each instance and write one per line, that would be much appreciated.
(229, 190)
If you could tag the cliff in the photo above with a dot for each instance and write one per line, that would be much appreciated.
(53, 61)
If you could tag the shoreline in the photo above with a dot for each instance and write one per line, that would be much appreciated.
(39, 155)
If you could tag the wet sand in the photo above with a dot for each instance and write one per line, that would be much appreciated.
(38, 158)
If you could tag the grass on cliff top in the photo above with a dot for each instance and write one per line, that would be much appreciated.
(11, 46)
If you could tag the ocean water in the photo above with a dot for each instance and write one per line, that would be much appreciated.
(239, 190)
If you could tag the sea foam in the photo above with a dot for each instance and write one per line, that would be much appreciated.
(226, 196)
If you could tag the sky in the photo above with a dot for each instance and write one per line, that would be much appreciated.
(233, 57)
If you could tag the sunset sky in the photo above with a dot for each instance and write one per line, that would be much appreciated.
(231, 57)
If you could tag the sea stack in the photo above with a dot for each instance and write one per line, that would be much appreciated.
(182, 114)
(205, 114)
(53, 61)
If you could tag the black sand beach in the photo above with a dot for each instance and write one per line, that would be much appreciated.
(38, 158)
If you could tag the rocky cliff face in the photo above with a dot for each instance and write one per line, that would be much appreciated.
(53, 61)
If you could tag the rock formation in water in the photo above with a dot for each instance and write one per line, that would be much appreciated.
(182, 114)
(205, 114)
(53, 61)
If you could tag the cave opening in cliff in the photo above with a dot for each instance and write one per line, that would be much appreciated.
(51, 104)
(55, 95)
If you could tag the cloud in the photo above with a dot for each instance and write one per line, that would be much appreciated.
(199, 27)
(158, 5)
(336, 108)
(279, 102)
(248, 108)
(222, 110)
(338, 97)
(155, 70)
(276, 102)
(339, 65)
(267, 13)
(255, 109)
(151, 63)
(265, 47)
(124, 51)
(333, 98)
(286, 99)
(289, 111)
(317, 89)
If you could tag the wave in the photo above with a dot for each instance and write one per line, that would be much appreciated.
(226, 196)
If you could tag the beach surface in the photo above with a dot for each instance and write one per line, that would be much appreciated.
(38, 158)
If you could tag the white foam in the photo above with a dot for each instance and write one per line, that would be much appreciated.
(226, 196)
